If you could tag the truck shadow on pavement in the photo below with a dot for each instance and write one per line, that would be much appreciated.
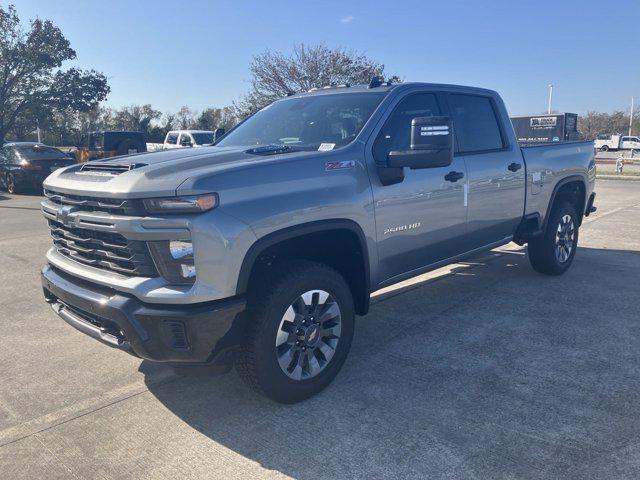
(490, 371)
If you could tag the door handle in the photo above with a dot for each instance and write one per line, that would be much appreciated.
(514, 167)
(453, 176)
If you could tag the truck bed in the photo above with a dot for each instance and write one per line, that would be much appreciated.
(548, 164)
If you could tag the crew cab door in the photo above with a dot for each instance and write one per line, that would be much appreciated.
(496, 170)
(421, 219)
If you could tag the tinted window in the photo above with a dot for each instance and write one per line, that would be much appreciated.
(475, 123)
(307, 122)
(34, 152)
(396, 132)
(97, 141)
(172, 138)
(202, 138)
(185, 139)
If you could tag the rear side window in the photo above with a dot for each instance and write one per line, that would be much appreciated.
(172, 138)
(396, 131)
(475, 123)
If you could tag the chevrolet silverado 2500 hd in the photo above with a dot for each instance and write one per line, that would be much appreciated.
(260, 250)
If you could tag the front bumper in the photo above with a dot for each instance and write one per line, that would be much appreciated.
(220, 243)
(197, 334)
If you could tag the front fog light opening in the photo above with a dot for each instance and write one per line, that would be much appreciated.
(180, 249)
(174, 260)
(188, 271)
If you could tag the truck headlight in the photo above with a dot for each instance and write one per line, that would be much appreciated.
(188, 204)
(174, 260)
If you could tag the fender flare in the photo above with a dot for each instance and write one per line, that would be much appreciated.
(559, 185)
(260, 245)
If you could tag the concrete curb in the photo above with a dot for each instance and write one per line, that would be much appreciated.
(628, 178)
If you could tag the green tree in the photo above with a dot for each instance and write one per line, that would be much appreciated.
(32, 86)
(592, 124)
(185, 118)
(209, 119)
(212, 118)
(135, 118)
(274, 74)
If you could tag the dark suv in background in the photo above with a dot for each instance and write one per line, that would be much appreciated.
(106, 144)
(25, 165)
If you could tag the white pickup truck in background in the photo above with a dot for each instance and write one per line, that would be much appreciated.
(605, 143)
(187, 138)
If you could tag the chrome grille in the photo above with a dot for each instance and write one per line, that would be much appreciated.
(105, 250)
(114, 206)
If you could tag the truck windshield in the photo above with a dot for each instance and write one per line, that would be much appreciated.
(331, 120)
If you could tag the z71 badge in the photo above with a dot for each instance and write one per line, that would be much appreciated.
(339, 165)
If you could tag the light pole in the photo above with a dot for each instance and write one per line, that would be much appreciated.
(631, 117)
(550, 96)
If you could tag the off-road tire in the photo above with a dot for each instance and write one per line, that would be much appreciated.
(268, 299)
(542, 250)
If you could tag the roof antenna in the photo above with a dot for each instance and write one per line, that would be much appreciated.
(376, 81)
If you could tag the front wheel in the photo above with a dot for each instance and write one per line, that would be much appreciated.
(553, 252)
(604, 148)
(300, 327)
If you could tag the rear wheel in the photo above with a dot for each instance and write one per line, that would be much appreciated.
(553, 252)
(300, 326)
(12, 184)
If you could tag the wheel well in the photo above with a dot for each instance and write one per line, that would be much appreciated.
(575, 193)
(339, 248)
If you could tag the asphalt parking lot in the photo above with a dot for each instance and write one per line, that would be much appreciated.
(482, 370)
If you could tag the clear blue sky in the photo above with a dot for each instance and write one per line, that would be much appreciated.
(197, 53)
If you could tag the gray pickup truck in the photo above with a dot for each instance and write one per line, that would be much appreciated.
(260, 250)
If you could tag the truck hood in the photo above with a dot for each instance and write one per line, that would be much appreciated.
(145, 175)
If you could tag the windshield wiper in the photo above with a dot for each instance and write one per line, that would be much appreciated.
(272, 149)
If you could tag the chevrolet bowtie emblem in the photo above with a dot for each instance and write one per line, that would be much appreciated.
(62, 215)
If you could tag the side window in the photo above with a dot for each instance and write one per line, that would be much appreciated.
(396, 131)
(185, 139)
(172, 138)
(474, 123)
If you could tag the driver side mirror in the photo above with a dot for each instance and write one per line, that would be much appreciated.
(431, 145)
